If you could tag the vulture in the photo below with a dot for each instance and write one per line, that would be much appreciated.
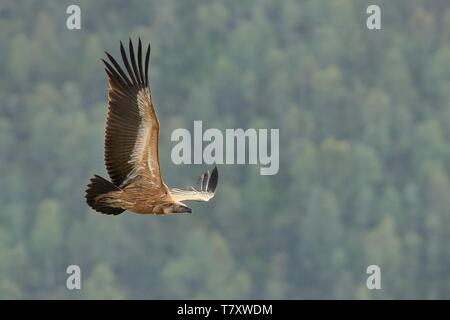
(131, 148)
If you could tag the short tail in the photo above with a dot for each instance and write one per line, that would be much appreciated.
(97, 187)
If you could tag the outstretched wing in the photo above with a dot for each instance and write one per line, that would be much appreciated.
(132, 127)
(207, 184)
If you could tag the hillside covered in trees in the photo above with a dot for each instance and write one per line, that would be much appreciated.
(364, 119)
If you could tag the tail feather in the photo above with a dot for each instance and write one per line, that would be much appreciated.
(99, 186)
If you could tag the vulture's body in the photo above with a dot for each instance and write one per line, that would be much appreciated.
(131, 149)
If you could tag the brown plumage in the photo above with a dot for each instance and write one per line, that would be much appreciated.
(131, 148)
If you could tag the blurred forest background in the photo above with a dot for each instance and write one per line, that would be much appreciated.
(364, 119)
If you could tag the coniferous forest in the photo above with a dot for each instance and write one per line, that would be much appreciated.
(364, 123)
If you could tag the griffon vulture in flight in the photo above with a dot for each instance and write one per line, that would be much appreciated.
(131, 148)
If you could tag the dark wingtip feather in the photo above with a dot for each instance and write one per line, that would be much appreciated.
(118, 68)
(213, 180)
(147, 59)
(141, 72)
(133, 62)
(126, 63)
